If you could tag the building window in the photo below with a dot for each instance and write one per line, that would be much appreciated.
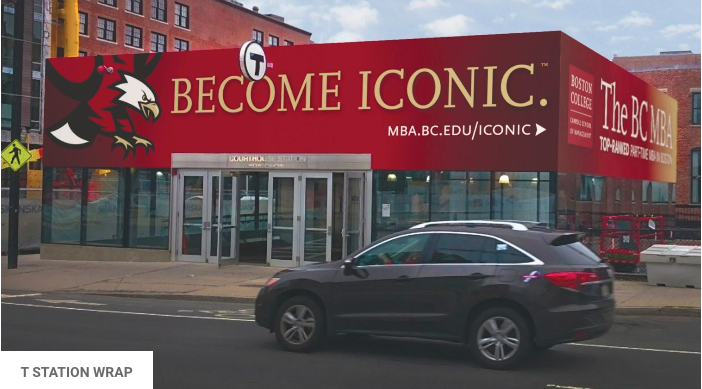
(158, 42)
(134, 6)
(459, 195)
(181, 45)
(158, 10)
(521, 196)
(149, 210)
(83, 27)
(272, 40)
(111, 3)
(289, 43)
(258, 36)
(8, 20)
(132, 36)
(590, 188)
(695, 175)
(104, 213)
(61, 208)
(182, 15)
(654, 192)
(106, 29)
(696, 108)
(82, 53)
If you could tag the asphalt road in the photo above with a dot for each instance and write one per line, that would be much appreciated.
(212, 345)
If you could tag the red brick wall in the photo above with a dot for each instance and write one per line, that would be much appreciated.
(680, 75)
(213, 24)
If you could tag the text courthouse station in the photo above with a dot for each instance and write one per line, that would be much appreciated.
(179, 157)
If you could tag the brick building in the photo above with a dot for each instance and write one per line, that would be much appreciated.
(678, 74)
(134, 26)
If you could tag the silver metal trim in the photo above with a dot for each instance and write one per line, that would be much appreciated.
(515, 226)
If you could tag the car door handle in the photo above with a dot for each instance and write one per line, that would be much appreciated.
(478, 276)
(403, 278)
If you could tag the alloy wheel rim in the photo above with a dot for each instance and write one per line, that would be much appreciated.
(498, 338)
(297, 324)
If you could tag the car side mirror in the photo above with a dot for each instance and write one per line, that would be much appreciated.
(348, 265)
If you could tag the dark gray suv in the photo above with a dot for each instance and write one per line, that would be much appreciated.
(502, 288)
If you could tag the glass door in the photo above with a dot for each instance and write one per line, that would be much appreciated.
(192, 224)
(223, 216)
(316, 226)
(352, 231)
(283, 219)
(207, 217)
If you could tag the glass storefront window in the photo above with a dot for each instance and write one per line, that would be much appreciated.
(516, 196)
(401, 200)
(149, 208)
(105, 207)
(61, 208)
(460, 195)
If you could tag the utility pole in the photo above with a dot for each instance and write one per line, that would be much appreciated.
(15, 134)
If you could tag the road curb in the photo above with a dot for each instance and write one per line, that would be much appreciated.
(185, 297)
(657, 311)
(621, 311)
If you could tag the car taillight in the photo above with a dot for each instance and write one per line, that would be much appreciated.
(572, 279)
(272, 281)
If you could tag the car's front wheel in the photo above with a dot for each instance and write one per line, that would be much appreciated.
(299, 324)
(499, 338)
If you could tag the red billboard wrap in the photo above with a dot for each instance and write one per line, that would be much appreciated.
(633, 125)
(463, 103)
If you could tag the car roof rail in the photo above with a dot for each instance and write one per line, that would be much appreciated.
(487, 223)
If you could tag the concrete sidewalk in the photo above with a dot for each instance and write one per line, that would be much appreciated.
(178, 280)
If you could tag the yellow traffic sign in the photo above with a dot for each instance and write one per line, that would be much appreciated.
(16, 155)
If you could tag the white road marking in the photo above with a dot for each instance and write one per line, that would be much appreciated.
(251, 320)
(9, 296)
(632, 348)
(127, 313)
(67, 302)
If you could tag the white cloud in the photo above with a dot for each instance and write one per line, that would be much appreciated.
(512, 15)
(677, 29)
(415, 5)
(354, 17)
(554, 4)
(684, 46)
(617, 39)
(346, 36)
(611, 27)
(451, 26)
(498, 20)
(635, 19)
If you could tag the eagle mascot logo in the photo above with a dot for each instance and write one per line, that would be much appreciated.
(103, 101)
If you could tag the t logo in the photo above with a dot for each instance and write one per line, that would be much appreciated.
(258, 58)
(252, 61)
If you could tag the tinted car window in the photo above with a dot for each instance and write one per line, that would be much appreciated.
(465, 248)
(575, 254)
(500, 252)
(399, 251)
(458, 248)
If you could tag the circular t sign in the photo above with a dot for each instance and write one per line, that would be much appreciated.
(252, 61)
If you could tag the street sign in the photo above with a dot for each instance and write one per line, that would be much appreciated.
(16, 155)
(252, 61)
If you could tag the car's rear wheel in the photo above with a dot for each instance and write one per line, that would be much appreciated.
(299, 324)
(499, 338)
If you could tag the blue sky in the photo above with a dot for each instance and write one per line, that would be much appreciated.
(633, 27)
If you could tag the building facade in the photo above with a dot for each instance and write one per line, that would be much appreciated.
(677, 73)
(108, 27)
(138, 26)
(24, 49)
(323, 156)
